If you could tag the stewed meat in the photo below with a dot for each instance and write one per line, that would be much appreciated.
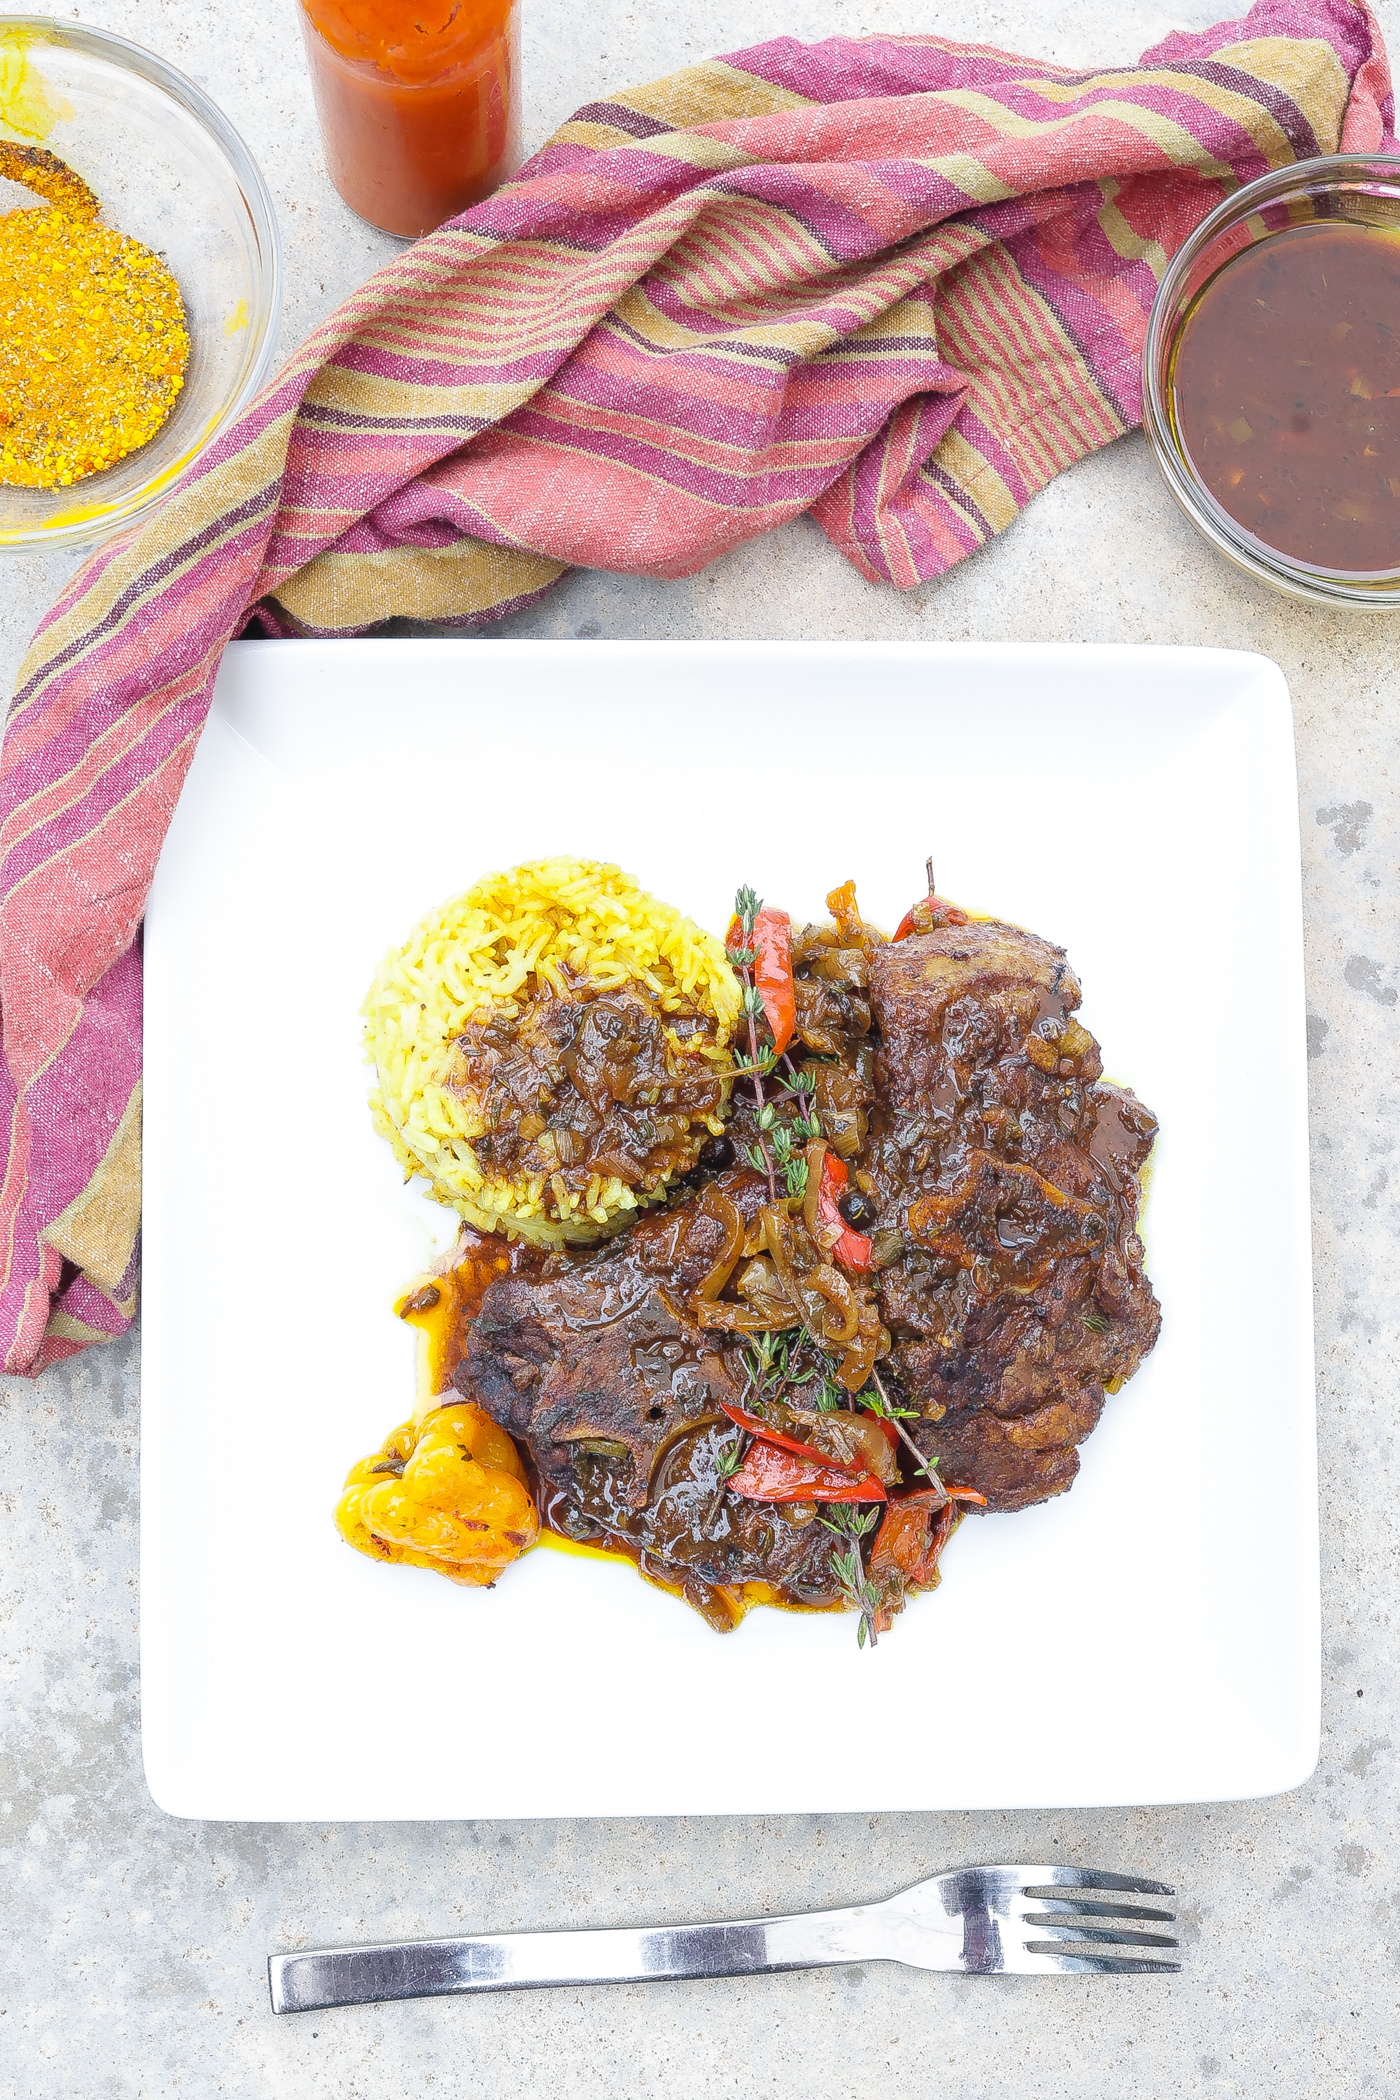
(602, 1353)
(600, 1370)
(1010, 1170)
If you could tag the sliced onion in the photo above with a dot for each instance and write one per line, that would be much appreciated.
(726, 1212)
(816, 1152)
(837, 1291)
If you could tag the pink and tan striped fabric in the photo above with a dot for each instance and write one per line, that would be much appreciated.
(897, 282)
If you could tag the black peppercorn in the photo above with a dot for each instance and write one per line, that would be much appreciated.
(857, 1209)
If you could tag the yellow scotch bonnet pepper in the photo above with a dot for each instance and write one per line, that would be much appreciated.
(448, 1493)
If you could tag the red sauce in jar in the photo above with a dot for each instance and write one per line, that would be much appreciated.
(1285, 391)
(417, 103)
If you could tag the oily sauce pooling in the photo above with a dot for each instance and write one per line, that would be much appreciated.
(1285, 384)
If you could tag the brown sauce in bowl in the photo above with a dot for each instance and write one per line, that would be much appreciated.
(1285, 390)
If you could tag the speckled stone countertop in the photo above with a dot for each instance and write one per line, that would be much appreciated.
(132, 1947)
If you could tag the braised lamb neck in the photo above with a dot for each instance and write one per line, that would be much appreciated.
(1011, 1170)
(599, 1369)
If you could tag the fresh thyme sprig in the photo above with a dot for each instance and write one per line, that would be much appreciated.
(882, 1406)
(791, 1163)
(728, 1460)
(746, 909)
(767, 1063)
(766, 1369)
(855, 1585)
(795, 1079)
(849, 1521)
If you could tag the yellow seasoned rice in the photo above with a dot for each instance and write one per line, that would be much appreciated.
(545, 928)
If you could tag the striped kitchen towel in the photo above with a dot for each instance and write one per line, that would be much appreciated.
(896, 282)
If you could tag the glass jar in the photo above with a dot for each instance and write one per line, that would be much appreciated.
(1343, 186)
(419, 104)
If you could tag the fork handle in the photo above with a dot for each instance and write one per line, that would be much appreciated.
(515, 1961)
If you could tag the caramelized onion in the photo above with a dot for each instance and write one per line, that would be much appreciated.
(771, 1319)
(816, 1152)
(758, 1284)
(739, 1319)
(856, 1367)
(834, 1287)
(861, 1357)
(594, 1446)
(842, 966)
(726, 1212)
(857, 1439)
(774, 1219)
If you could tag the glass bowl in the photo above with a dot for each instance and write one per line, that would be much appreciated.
(171, 171)
(1338, 186)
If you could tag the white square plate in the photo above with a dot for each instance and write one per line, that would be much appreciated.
(1152, 1636)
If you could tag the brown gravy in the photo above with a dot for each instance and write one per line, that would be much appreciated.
(444, 1302)
(1285, 384)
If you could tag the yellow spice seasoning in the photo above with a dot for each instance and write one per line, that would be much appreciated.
(93, 342)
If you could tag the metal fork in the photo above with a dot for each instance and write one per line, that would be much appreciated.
(978, 1921)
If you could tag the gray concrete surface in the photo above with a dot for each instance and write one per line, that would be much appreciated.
(132, 1946)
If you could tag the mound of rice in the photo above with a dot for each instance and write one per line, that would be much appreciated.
(551, 928)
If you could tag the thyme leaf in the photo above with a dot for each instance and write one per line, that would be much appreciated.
(728, 1461)
(747, 905)
(859, 1591)
(877, 1404)
(898, 1416)
(848, 1520)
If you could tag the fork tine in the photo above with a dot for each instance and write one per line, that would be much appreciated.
(1104, 1965)
(1113, 1937)
(1068, 1908)
(1056, 1878)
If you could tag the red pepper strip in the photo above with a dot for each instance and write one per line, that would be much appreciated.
(913, 1532)
(853, 1250)
(903, 1540)
(770, 1475)
(772, 971)
(951, 916)
(756, 1426)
